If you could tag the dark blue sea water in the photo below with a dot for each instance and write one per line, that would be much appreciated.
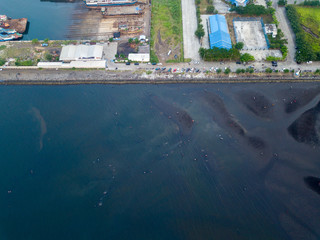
(118, 162)
(46, 19)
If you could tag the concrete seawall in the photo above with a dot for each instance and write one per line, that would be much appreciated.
(60, 77)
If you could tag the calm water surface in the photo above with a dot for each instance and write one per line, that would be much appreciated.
(47, 19)
(118, 162)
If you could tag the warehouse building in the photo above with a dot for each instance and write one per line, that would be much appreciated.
(218, 32)
(81, 52)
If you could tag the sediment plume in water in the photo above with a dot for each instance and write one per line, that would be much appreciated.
(256, 103)
(223, 116)
(313, 183)
(306, 128)
(298, 98)
(227, 121)
(176, 114)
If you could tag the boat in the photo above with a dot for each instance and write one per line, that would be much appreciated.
(10, 37)
(7, 31)
(104, 3)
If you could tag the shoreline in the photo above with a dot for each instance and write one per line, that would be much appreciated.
(74, 77)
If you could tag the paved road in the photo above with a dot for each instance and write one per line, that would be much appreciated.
(285, 26)
(191, 43)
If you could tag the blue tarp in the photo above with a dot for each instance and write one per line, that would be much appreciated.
(219, 34)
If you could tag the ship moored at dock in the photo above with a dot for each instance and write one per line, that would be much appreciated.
(106, 3)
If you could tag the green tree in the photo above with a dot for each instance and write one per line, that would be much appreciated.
(200, 31)
(35, 41)
(111, 39)
(219, 70)
(210, 9)
(246, 57)
(268, 70)
(227, 71)
(46, 40)
(2, 61)
(136, 41)
(239, 45)
(130, 40)
(48, 57)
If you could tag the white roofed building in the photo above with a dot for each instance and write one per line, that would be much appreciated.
(271, 29)
(139, 57)
(81, 52)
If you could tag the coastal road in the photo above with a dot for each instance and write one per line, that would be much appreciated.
(191, 43)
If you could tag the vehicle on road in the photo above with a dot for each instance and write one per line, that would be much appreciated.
(162, 69)
(154, 63)
(169, 70)
(136, 63)
(127, 63)
(157, 69)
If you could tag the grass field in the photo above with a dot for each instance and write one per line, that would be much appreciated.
(166, 30)
(310, 18)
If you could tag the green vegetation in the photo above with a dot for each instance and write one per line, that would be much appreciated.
(203, 6)
(282, 2)
(148, 72)
(239, 45)
(2, 47)
(200, 30)
(251, 9)
(219, 70)
(311, 3)
(278, 43)
(227, 71)
(48, 57)
(249, 70)
(246, 57)
(46, 40)
(211, 10)
(310, 18)
(239, 70)
(111, 39)
(219, 54)
(166, 26)
(2, 61)
(307, 37)
(268, 70)
(24, 63)
(35, 41)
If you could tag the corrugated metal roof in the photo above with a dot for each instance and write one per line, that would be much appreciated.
(219, 34)
(76, 52)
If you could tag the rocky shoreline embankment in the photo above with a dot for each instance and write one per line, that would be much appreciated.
(59, 77)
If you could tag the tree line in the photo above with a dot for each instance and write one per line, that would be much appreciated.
(304, 51)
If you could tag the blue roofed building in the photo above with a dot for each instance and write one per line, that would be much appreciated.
(218, 32)
(239, 3)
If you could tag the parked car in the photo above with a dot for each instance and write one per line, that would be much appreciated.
(154, 63)
(169, 70)
(127, 63)
(238, 62)
(162, 69)
(136, 63)
(157, 69)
